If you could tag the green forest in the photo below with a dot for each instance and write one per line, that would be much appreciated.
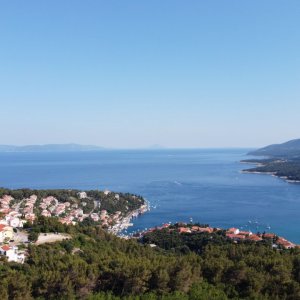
(283, 160)
(96, 265)
(289, 168)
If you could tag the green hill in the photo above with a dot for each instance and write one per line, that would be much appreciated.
(287, 149)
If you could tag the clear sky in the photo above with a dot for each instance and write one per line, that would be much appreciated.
(136, 73)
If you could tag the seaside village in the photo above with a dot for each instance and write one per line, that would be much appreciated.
(232, 233)
(14, 214)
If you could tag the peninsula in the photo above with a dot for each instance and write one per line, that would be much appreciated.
(281, 160)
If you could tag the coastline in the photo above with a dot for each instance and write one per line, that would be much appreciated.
(234, 234)
(284, 178)
(258, 172)
(126, 221)
(260, 164)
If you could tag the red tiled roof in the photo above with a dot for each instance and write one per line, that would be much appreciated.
(269, 235)
(235, 236)
(245, 232)
(232, 230)
(254, 237)
(184, 229)
(206, 229)
(5, 248)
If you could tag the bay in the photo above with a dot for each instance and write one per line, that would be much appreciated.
(203, 184)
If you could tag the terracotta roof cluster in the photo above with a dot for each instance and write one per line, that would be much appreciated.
(285, 243)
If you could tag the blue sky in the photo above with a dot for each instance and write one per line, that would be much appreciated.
(137, 73)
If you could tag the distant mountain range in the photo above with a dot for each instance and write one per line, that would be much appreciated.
(287, 149)
(49, 148)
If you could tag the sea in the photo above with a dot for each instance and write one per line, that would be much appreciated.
(199, 185)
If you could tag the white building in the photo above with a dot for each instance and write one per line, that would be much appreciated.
(12, 254)
(95, 217)
(6, 233)
(15, 222)
(82, 195)
(106, 192)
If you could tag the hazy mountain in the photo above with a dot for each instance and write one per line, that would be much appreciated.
(290, 148)
(49, 148)
(156, 147)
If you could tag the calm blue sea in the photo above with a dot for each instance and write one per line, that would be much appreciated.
(205, 185)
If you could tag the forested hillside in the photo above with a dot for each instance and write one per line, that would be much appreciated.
(97, 265)
(283, 160)
(287, 149)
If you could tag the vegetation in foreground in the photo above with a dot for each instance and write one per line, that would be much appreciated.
(97, 265)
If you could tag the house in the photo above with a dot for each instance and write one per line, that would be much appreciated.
(206, 229)
(247, 233)
(184, 230)
(48, 200)
(6, 233)
(195, 228)
(254, 237)
(106, 192)
(46, 213)
(30, 217)
(269, 235)
(33, 198)
(67, 220)
(78, 212)
(5, 201)
(95, 217)
(235, 237)
(166, 225)
(5, 210)
(82, 195)
(4, 222)
(59, 209)
(285, 243)
(15, 222)
(12, 254)
(43, 205)
(233, 230)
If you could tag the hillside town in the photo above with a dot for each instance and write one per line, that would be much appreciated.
(14, 213)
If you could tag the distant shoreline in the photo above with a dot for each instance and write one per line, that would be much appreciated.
(274, 174)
